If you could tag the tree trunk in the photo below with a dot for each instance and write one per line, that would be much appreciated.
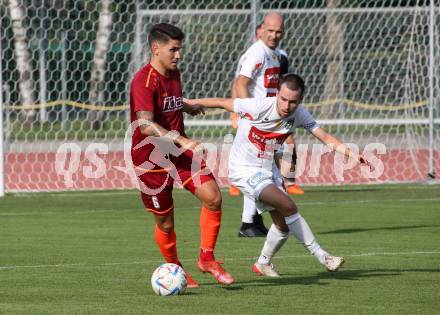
(97, 83)
(333, 30)
(22, 53)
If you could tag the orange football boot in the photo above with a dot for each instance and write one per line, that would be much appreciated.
(234, 191)
(191, 283)
(214, 268)
(294, 189)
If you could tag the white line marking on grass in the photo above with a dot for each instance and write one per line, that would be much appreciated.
(81, 211)
(313, 188)
(192, 260)
(393, 254)
(348, 202)
(351, 255)
(305, 203)
(91, 192)
(366, 201)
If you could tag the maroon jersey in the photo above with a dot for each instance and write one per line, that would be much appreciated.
(153, 92)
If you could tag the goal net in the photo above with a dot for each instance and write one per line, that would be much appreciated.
(371, 72)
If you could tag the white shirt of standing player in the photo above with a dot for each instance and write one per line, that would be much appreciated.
(252, 154)
(279, 52)
(261, 64)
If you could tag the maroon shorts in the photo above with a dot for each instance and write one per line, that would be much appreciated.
(157, 185)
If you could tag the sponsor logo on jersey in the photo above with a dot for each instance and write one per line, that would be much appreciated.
(271, 77)
(266, 142)
(289, 124)
(171, 104)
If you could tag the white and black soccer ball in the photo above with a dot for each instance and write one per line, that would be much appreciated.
(168, 279)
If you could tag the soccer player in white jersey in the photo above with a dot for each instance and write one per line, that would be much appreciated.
(252, 163)
(257, 75)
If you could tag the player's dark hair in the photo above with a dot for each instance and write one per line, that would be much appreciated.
(164, 32)
(293, 82)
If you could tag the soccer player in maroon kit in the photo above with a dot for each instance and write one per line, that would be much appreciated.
(157, 108)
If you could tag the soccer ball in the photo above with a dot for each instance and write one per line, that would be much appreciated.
(168, 279)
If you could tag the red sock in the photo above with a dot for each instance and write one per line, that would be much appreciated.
(206, 255)
(167, 245)
(209, 229)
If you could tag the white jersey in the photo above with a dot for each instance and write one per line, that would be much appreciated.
(264, 133)
(261, 64)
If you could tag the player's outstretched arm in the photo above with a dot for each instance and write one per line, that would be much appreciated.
(337, 145)
(193, 110)
(225, 103)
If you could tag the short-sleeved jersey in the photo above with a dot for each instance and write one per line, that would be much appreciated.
(264, 133)
(153, 92)
(261, 64)
(283, 58)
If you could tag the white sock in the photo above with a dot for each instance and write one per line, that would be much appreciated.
(275, 239)
(249, 210)
(299, 228)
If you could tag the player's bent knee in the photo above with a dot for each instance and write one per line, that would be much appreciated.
(166, 227)
(165, 223)
(282, 227)
(288, 209)
(213, 202)
(210, 196)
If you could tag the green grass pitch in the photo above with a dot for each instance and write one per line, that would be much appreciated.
(94, 252)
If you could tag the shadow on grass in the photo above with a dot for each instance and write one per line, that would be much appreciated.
(320, 278)
(385, 228)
